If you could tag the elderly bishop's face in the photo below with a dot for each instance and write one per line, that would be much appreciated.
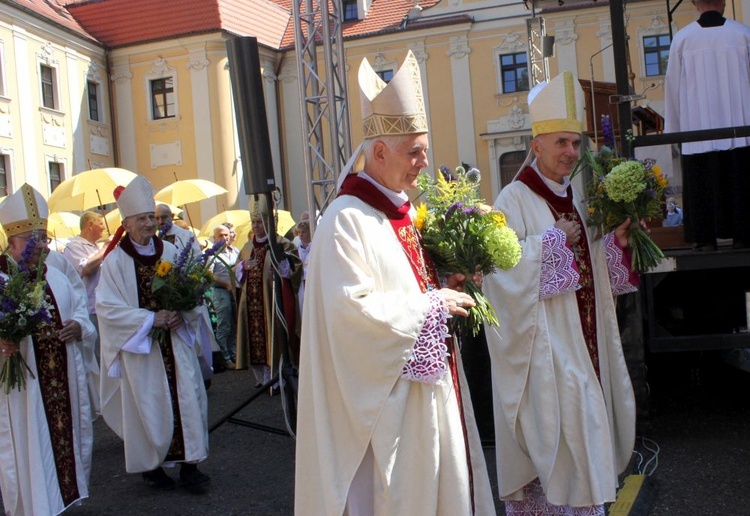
(403, 162)
(556, 154)
(140, 227)
(17, 245)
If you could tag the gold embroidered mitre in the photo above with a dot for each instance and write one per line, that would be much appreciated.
(258, 208)
(557, 106)
(24, 210)
(395, 108)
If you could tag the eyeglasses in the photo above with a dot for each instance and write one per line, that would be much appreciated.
(41, 238)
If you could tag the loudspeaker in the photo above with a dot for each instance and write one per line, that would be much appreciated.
(250, 113)
(548, 46)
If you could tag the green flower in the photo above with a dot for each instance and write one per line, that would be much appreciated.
(505, 248)
(625, 182)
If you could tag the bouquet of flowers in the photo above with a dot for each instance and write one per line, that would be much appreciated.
(24, 309)
(623, 188)
(182, 286)
(463, 235)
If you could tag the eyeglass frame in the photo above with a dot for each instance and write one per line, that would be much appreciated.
(34, 234)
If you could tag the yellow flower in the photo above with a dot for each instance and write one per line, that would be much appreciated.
(591, 211)
(163, 268)
(421, 216)
(661, 179)
(499, 217)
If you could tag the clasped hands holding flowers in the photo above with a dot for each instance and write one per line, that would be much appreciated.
(573, 231)
(167, 319)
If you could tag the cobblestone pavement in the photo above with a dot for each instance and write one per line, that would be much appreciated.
(700, 411)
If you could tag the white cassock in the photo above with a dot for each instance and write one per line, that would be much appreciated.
(553, 420)
(699, 93)
(363, 313)
(58, 261)
(136, 405)
(28, 476)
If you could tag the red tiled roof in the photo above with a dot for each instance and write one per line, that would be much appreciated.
(383, 16)
(127, 22)
(54, 11)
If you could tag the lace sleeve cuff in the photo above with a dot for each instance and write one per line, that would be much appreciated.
(427, 362)
(621, 278)
(559, 270)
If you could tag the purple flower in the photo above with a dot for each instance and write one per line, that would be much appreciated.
(607, 132)
(182, 258)
(211, 251)
(28, 251)
(473, 210)
(651, 192)
(447, 173)
(452, 209)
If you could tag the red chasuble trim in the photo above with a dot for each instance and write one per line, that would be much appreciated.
(51, 356)
(423, 269)
(563, 208)
(145, 270)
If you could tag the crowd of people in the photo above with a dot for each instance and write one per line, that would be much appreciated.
(385, 421)
(112, 349)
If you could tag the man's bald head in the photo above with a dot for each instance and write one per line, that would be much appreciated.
(163, 214)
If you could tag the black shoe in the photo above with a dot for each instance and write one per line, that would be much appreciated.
(158, 479)
(192, 478)
(258, 385)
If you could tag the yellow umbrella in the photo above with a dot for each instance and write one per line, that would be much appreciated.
(284, 222)
(242, 224)
(187, 191)
(89, 189)
(236, 217)
(63, 224)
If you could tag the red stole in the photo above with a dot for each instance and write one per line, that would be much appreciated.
(563, 208)
(256, 309)
(422, 267)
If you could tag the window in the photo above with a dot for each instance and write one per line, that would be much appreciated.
(92, 90)
(48, 86)
(3, 175)
(514, 70)
(350, 10)
(656, 54)
(162, 98)
(55, 175)
(386, 75)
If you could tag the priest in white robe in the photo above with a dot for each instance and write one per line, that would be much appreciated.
(564, 405)
(706, 87)
(385, 423)
(152, 393)
(46, 431)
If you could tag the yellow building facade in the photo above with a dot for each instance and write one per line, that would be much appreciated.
(55, 117)
(171, 116)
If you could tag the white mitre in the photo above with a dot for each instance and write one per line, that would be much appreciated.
(392, 109)
(136, 198)
(24, 210)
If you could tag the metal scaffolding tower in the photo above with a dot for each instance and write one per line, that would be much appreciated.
(536, 32)
(323, 98)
